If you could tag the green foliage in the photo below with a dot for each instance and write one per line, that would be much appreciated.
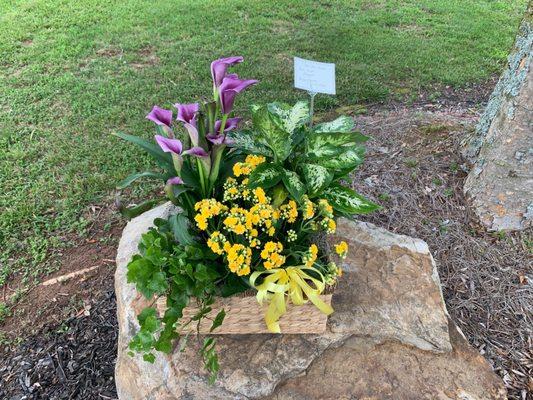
(307, 160)
(171, 264)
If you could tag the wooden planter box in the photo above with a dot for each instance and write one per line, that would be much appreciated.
(244, 316)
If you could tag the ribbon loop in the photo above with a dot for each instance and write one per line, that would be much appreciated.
(284, 284)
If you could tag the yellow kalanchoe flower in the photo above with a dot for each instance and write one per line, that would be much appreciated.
(271, 253)
(308, 209)
(289, 211)
(325, 208)
(215, 240)
(249, 164)
(342, 249)
(311, 256)
(239, 259)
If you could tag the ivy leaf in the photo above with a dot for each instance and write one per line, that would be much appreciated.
(316, 178)
(293, 184)
(350, 158)
(346, 201)
(272, 131)
(248, 141)
(341, 124)
(179, 225)
(158, 283)
(218, 320)
(291, 117)
(265, 175)
(148, 320)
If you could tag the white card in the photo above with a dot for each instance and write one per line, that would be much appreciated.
(314, 76)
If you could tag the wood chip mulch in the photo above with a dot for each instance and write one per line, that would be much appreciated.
(74, 360)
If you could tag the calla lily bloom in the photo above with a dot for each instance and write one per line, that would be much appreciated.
(221, 138)
(160, 116)
(175, 181)
(220, 66)
(231, 123)
(187, 114)
(229, 88)
(175, 146)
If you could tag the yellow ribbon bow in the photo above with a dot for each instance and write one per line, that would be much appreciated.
(293, 282)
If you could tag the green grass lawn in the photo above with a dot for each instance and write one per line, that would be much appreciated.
(73, 71)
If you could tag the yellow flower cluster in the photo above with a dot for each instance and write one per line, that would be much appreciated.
(342, 249)
(332, 273)
(329, 225)
(311, 256)
(249, 164)
(289, 211)
(325, 208)
(308, 209)
(239, 258)
(272, 255)
(216, 242)
(207, 208)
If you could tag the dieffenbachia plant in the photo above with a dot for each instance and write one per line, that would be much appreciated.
(192, 167)
(305, 160)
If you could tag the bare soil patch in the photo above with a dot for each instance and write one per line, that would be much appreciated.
(73, 294)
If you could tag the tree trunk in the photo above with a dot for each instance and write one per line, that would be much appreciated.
(500, 183)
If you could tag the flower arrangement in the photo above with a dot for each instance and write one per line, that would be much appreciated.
(253, 200)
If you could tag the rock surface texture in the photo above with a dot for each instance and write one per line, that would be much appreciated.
(500, 183)
(390, 337)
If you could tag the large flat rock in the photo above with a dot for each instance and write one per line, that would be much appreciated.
(389, 337)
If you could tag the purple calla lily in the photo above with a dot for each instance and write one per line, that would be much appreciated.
(220, 66)
(231, 123)
(229, 88)
(175, 181)
(187, 114)
(160, 116)
(219, 137)
(197, 152)
(175, 146)
(169, 145)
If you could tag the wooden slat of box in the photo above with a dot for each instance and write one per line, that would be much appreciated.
(244, 315)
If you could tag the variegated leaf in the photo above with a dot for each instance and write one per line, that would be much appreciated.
(318, 140)
(346, 201)
(323, 152)
(272, 132)
(316, 178)
(265, 175)
(291, 117)
(341, 124)
(293, 184)
(350, 158)
(248, 141)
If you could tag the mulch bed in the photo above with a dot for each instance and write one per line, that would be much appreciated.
(414, 170)
(74, 360)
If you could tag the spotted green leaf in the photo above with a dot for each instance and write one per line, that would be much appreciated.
(291, 117)
(265, 175)
(341, 124)
(350, 158)
(316, 178)
(346, 201)
(272, 132)
(294, 185)
(248, 141)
